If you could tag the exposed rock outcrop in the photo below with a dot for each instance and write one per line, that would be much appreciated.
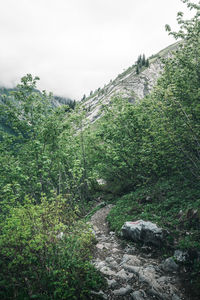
(129, 85)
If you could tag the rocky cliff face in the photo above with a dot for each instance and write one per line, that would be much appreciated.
(129, 85)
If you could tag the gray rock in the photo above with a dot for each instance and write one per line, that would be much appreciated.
(60, 235)
(158, 294)
(100, 294)
(112, 233)
(142, 231)
(138, 295)
(99, 264)
(175, 297)
(148, 275)
(109, 259)
(123, 291)
(124, 275)
(169, 265)
(131, 260)
(111, 262)
(130, 250)
(180, 256)
(132, 269)
(164, 279)
(112, 283)
(101, 181)
(130, 86)
(107, 271)
(104, 245)
(115, 250)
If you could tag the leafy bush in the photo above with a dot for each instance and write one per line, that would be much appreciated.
(45, 253)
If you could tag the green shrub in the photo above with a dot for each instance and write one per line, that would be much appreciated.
(45, 253)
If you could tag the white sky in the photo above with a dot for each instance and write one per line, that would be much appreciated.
(76, 46)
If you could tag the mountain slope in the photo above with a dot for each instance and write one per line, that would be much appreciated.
(129, 84)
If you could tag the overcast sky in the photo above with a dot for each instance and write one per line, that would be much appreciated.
(76, 46)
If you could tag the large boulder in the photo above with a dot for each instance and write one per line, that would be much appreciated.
(144, 231)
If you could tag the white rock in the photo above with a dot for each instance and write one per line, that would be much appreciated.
(123, 291)
(131, 260)
(124, 275)
(107, 271)
(143, 231)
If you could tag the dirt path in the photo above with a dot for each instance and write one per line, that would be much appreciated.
(131, 273)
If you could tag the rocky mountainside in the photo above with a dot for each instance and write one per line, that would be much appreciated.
(131, 84)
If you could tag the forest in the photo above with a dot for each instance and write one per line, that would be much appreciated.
(51, 159)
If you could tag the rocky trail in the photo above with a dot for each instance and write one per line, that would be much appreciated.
(132, 272)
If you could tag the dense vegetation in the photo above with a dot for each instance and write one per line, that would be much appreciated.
(45, 249)
(148, 153)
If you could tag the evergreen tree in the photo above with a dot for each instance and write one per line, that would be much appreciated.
(147, 63)
(143, 60)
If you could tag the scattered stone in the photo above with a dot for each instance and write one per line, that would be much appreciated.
(60, 235)
(142, 231)
(109, 259)
(155, 293)
(169, 265)
(124, 266)
(163, 279)
(101, 181)
(115, 250)
(180, 256)
(138, 295)
(130, 250)
(114, 265)
(112, 283)
(131, 260)
(100, 246)
(100, 294)
(95, 228)
(124, 275)
(132, 269)
(107, 271)
(100, 264)
(123, 291)
(148, 275)
(175, 297)
(112, 233)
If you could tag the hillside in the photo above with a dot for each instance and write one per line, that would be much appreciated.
(129, 85)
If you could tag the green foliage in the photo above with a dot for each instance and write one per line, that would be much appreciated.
(167, 203)
(42, 153)
(44, 253)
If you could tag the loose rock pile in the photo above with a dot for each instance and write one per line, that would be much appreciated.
(129, 273)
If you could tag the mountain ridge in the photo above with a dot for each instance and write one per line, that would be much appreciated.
(128, 85)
